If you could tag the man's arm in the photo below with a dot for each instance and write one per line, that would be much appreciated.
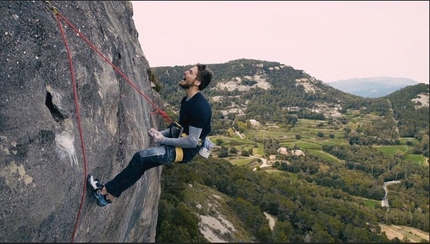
(190, 141)
(165, 132)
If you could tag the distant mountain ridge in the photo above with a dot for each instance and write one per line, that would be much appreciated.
(372, 87)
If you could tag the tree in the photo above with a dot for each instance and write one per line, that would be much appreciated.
(219, 141)
(244, 153)
(292, 120)
(282, 231)
(223, 152)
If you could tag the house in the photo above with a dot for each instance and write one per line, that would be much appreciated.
(293, 109)
(254, 123)
(283, 150)
(297, 152)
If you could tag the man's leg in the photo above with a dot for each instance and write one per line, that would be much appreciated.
(141, 161)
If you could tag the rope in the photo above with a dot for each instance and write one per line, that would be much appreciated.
(78, 115)
(75, 93)
(158, 110)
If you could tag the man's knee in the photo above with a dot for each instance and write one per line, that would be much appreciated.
(149, 155)
(136, 160)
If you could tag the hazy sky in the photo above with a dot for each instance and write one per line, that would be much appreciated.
(328, 40)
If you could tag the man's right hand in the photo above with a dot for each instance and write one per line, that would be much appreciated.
(156, 135)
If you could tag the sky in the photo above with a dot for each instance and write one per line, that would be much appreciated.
(329, 40)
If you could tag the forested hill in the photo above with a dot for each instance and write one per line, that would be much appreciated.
(271, 92)
(271, 82)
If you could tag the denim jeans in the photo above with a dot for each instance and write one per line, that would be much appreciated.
(141, 161)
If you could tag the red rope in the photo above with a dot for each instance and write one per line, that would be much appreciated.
(161, 112)
(78, 115)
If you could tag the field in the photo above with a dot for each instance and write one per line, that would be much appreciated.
(306, 135)
(405, 151)
(401, 232)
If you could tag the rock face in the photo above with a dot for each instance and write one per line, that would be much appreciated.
(42, 166)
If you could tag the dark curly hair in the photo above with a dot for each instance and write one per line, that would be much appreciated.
(204, 75)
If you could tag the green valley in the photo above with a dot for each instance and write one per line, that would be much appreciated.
(311, 159)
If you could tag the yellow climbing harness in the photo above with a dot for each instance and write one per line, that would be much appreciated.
(180, 152)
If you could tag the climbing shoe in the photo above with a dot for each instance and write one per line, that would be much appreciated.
(97, 191)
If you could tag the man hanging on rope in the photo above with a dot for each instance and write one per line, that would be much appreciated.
(175, 146)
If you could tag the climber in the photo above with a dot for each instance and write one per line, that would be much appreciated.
(176, 144)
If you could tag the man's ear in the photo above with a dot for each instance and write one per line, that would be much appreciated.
(197, 82)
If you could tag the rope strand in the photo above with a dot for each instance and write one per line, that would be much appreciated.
(78, 116)
(161, 112)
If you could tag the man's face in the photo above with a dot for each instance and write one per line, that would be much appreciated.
(189, 79)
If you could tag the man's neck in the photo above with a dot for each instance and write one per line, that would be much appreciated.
(191, 92)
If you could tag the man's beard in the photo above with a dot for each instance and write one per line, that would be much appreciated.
(185, 86)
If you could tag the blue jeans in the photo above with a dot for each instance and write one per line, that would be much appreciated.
(141, 161)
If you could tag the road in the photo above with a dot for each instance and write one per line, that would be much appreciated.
(384, 202)
(263, 165)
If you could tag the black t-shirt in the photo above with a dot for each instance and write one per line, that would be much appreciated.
(195, 112)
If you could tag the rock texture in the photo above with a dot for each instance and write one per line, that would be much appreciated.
(42, 168)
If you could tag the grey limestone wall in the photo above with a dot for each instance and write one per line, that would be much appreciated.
(42, 170)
